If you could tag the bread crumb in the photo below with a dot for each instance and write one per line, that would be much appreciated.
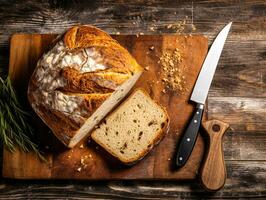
(179, 26)
(147, 68)
(81, 146)
(151, 48)
(141, 33)
(117, 33)
(90, 156)
(169, 159)
(79, 169)
(169, 26)
(173, 72)
(193, 27)
(69, 156)
(152, 28)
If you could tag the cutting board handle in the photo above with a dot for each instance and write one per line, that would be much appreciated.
(213, 171)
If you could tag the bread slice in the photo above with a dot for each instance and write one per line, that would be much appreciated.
(132, 130)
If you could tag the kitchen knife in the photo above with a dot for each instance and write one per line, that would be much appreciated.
(199, 95)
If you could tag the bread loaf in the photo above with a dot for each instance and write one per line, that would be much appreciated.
(132, 130)
(79, 80)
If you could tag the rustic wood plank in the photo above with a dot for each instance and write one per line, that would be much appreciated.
(241, 70)
(131, 17)
(241, 183)
(245, 146)
(242, 113)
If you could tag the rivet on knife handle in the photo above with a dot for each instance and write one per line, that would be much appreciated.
(189, 138)
(213, 171)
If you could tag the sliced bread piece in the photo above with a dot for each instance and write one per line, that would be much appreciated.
(132, 130)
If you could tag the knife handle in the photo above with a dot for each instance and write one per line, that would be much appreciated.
(213, 171)
(189, 138)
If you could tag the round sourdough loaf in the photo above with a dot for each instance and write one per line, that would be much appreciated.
(78, 81)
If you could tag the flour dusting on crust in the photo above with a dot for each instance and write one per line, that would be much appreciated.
(49, 81)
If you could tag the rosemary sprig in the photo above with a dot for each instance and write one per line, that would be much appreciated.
(15, 129)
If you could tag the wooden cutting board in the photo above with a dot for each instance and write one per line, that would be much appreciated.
(63, 163)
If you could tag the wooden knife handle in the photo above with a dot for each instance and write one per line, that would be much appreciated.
(213, 171)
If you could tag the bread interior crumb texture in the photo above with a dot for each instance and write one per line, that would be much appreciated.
(133, 128)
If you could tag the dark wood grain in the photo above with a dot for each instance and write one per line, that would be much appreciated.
(241, 73)
(246, 180)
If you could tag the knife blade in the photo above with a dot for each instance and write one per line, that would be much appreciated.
(199, 95)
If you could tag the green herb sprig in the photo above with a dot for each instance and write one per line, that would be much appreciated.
(15, 129)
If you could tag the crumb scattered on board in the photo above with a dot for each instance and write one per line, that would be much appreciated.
(147, 68)
(173, 75)
(83, 162)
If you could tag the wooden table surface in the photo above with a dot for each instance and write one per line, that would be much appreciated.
(237, 95)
